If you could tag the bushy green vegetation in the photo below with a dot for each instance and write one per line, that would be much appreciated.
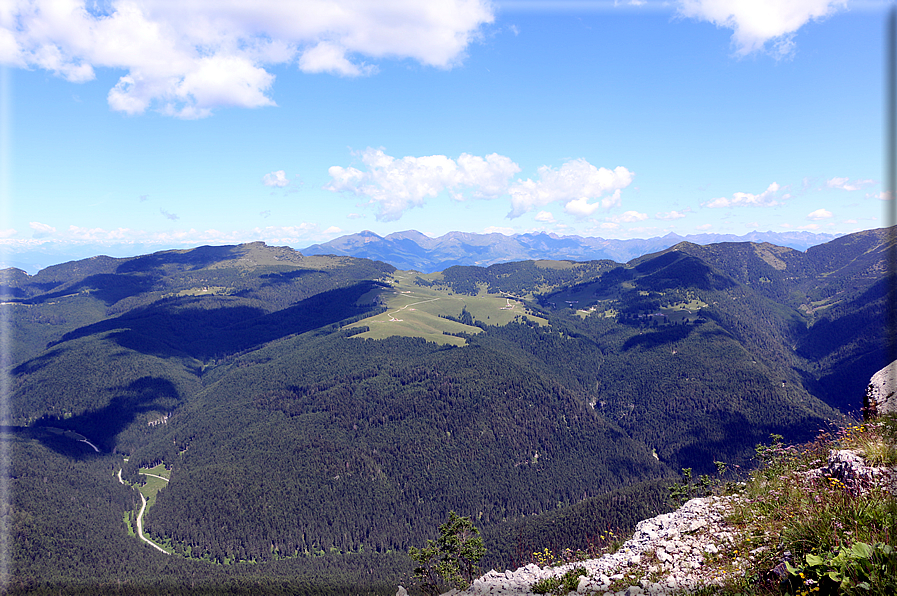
(452, 559)
(560, 584)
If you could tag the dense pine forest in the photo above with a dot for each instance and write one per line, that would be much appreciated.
(315, 416)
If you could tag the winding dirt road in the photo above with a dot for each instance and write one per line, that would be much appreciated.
(142, 509)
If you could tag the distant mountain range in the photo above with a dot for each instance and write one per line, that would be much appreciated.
(415, 251)
(412, 250)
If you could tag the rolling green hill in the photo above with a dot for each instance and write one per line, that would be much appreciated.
(319, 414)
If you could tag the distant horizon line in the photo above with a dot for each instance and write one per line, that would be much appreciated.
(37, 254)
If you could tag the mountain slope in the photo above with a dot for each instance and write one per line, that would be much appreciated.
(247, 371)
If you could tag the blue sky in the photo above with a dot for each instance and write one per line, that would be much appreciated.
(149, 124)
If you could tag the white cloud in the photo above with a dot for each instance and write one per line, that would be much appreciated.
(296, 235)
(544, 217)
(628, 217)
(8, 233)
(846, 184)
(575, 184)
(277, 179)
(328, 57)
(41, 230)
(670, 215)
(186, 58)
(394, 185)
(757, 24)
(820, 214)
(767, 198)
(499, 230)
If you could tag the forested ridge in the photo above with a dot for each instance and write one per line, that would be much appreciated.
(306, 458)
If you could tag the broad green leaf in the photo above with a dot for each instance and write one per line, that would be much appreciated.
(815, 560)
(861, 550)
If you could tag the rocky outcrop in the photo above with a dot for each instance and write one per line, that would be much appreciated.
(667, 554)
(852, 471)
(880, 394)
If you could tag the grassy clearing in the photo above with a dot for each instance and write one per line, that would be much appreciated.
(127, 518)
(682, 311)
(204, 291)
(415, 311)
(159, 470)
(153, 484)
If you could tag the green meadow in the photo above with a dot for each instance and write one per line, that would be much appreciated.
(415, 310)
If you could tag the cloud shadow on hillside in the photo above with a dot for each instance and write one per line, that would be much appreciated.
(102, 426)
(202, 328)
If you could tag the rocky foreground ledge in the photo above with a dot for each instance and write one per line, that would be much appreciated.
(678, 552)
(667, 554)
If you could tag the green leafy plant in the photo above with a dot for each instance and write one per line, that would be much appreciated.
(559, 584)
(840, 535)
(452, 558)
(858, 569)
(681, 492)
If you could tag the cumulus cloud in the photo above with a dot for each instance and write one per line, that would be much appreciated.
(186, 58)
(761, 25)
(820, 214)
(846, 184)
(395, 185)
(767, 198)
(41, 230)
(576, 184)
(499, 230)
(167, 215)
(544, 217)
(628, 217)
(670, 215)
(277, 179)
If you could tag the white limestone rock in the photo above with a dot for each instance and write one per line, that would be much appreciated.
(880, 394)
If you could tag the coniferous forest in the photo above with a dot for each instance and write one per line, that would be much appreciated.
(307, 419)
